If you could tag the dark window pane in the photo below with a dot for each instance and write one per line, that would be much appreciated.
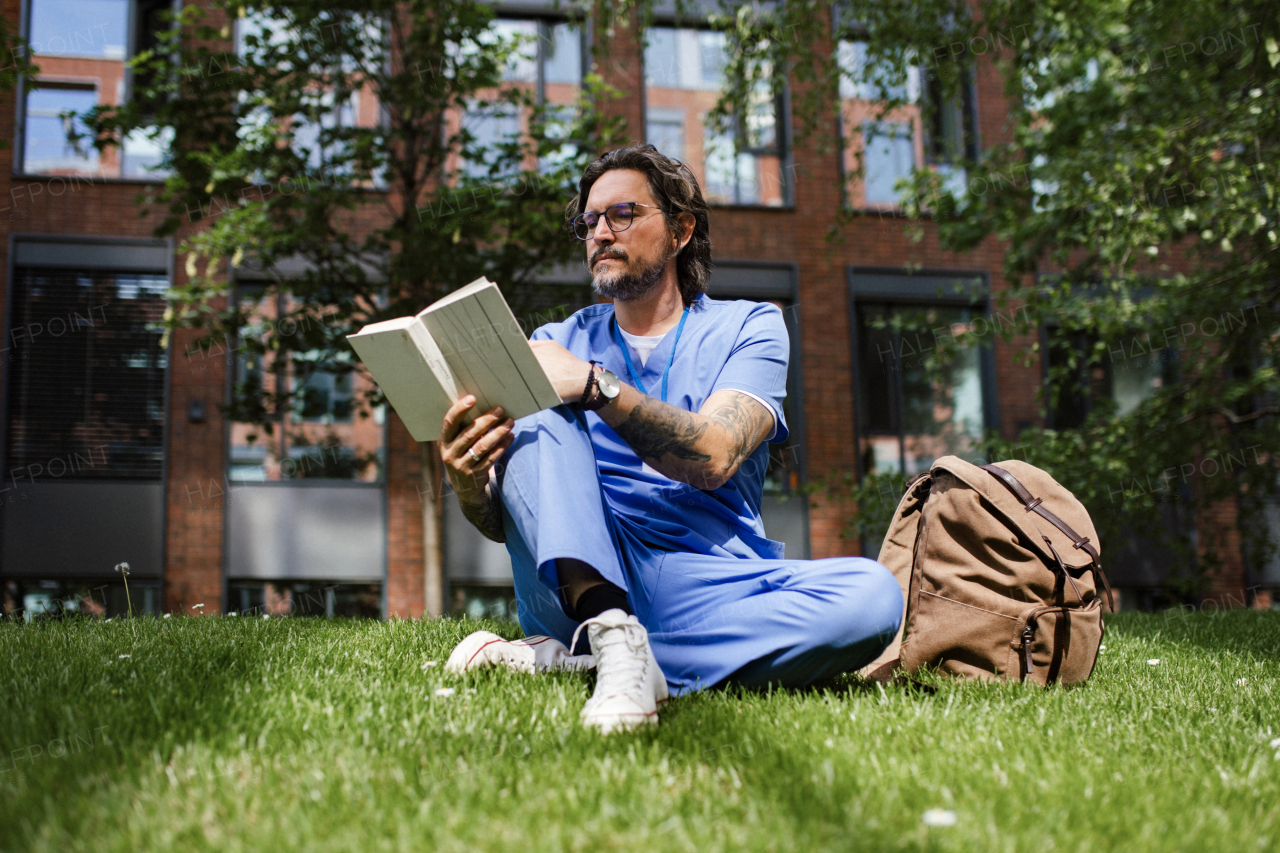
(877, 365)
(951, 132)
(922, 389)
(86, 378)
(1068, 393)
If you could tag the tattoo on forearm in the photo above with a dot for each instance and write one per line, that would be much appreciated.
(744, 419)
(486, 516)
(654, 428)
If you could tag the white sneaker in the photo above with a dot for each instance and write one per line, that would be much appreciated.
(629, 683)
(531, 654)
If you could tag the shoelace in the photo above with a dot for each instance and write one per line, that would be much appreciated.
(616, 667)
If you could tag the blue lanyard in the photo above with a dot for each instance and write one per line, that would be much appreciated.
(631, 368)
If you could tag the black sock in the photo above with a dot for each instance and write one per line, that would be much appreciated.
(592, 603)
(598, 599)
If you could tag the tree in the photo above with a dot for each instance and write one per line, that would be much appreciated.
(17, 62)
(270, 167)
(1136, 205)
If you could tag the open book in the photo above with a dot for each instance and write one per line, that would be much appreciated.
(466, 343)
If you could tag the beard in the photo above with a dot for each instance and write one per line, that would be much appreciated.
(627, 284)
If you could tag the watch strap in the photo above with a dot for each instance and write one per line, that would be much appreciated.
(590, 386)
(599, 401)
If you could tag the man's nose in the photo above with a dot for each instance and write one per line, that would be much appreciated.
(603, 234)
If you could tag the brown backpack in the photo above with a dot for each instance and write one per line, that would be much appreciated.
(996, 580)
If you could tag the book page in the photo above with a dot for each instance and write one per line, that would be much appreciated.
(488, 352)
(411, 371)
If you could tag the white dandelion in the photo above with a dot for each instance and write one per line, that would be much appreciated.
(939, 817)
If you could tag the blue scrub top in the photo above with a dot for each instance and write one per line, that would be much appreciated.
(736, 345)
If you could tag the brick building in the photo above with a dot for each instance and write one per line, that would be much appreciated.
(115, 448)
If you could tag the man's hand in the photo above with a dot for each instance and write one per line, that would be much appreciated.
(468, 455)
(567, 372)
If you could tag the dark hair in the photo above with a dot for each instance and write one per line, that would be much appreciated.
(676, 190)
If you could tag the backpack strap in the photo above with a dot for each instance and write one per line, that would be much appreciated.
(1031, 504)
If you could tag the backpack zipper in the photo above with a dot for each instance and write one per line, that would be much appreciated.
(1028, 636)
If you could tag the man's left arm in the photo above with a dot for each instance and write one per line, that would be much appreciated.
(703, 448)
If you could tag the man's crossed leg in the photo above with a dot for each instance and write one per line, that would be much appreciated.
(698, 620)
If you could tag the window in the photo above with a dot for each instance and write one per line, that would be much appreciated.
(489, 127)
(86, 375)
(304, 598)
(1129, 374)
(665, 131)
(318, 124)
(951, 133)
(549, 62)
(888, 157)
(896, 122)
(319, 434)
(884, 140)
(81, 47)
(923, 387)
(740, 164)
(52, 119)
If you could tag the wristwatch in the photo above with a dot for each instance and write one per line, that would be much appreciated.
(607, 388)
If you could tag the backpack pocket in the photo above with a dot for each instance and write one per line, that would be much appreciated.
(958, 638)
(1053, 644)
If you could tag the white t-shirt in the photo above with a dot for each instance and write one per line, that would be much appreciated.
(644, 346)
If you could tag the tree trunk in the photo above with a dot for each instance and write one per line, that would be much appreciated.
(432, 532)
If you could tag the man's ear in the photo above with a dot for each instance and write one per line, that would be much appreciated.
(687, 223)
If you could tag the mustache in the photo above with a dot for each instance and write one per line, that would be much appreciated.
(606, 252)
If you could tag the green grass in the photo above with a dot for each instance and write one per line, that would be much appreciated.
(251, 734)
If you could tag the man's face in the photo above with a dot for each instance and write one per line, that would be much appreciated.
(627, 264)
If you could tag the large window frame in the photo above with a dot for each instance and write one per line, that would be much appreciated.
(73, 76)
(933, 121)
(535, 75)
(665, 114)
(118, 515)
(939, 288)
(298, 462)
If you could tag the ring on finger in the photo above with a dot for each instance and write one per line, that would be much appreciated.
(474, 458)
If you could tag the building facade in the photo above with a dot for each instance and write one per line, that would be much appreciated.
(117, 447)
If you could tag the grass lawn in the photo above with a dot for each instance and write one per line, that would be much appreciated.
(283, 734)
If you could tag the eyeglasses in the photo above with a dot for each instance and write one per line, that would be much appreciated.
(618, 217)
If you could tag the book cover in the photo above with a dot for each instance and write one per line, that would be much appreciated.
(466, 343)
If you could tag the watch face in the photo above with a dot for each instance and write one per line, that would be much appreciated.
(609, 384)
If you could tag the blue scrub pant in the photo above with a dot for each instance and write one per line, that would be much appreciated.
(710, 618)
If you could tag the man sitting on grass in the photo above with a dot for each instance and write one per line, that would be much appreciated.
(633, 510)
